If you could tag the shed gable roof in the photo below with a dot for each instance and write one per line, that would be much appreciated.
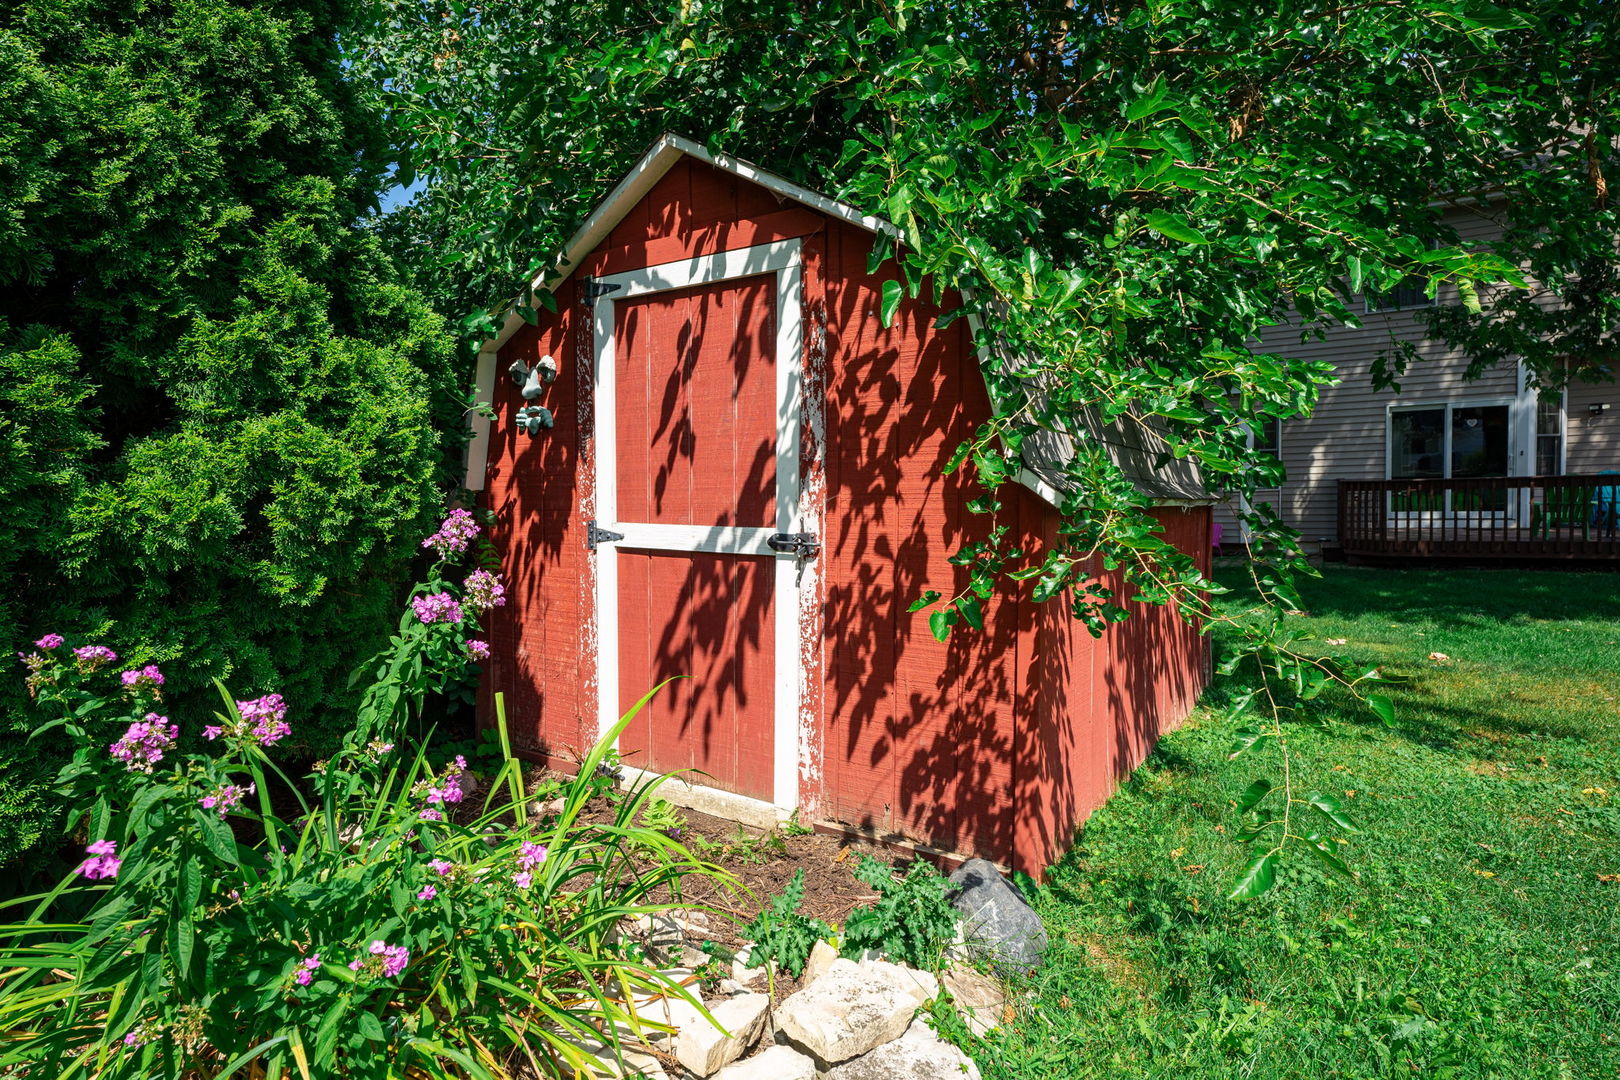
(1045, 454)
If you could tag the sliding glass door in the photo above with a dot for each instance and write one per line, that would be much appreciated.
(1446, 442)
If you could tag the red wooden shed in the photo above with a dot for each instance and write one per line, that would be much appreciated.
(744, 485)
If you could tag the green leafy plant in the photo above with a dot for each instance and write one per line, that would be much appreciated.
(226, 917)
(664, 817)
(912, 920)
(781, 933)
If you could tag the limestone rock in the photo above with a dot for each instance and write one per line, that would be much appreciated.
(637, 1063)
(674, 1012)
(705, 1049)
(978, 997)
(821, 958)
(919, 1054)
(774, 1063)
(922, 985)
(850, 1009)
(995, 918)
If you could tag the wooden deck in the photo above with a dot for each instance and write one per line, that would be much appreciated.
(1518, 517)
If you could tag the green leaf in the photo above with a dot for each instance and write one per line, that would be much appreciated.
(1247, 739)
(1257, 878)
(1383, 708)
(1175, 227)
(1252, 795)
(1319, 849)
(972, 613)
(182, 940)
(528, 315)
(371, 1027)
(939, 624)
(1329, 807)
(1151, 101)
(924, 600)
(892, 292)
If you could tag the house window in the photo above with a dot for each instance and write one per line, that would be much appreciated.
(1445, 441)
(1550, 433)
(1412, 292)
(1266, 437)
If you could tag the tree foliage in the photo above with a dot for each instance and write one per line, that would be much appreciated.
(216, 399)
(1125, 193)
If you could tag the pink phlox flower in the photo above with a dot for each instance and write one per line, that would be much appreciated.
(431, 814)
(93, 656)
(103, 862)
(455, 533)
(441, 866)
(428, 892)
(478, 650)
(356, 964)
(307, 969)
(144, 743)
(483, 590)
(212, 732)
(49, 641)
(531, 855)
(523, 879)
(133, 1041)
(264, 718)
(395, 957)
(225, 798)
(147, 678)
(437, 607)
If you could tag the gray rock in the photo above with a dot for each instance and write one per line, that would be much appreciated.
(850, 1009)
(996, 921)
(919, 1054)
(772, 1063)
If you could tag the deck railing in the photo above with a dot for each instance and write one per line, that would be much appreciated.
(1572, 517)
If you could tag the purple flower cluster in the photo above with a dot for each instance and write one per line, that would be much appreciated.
(262, 721)
(445, 791)
(478, 650)
(441, 866)
(146, 678)
(93, 656)
(49, 641)
(144, 743)
(394, 958)
(483, 590)
(530, 856)
(103, 861)
(266, 717)
(307, 969)
(438, 607)
(225, 798)
(428, 892)
(455, 533)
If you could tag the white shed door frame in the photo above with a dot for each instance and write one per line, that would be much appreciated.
(782, 259)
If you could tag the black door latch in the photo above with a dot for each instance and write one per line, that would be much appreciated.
(803, 545)
(592, 289)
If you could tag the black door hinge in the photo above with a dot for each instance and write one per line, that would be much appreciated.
(803, 545)
(593, 289)
(594, 535)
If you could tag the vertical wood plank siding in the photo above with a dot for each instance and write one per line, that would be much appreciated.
(996, 743)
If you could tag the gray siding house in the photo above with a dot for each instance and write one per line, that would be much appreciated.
(1444, 466)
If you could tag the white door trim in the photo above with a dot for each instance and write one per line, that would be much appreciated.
(783, 259)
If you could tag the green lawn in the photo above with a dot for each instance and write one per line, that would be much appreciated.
(1481, 939)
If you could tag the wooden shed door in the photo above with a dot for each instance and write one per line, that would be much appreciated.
(697, 503)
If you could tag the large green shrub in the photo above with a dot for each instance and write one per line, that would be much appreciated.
(216, 404)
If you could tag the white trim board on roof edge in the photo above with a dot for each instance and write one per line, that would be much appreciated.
(643, 175)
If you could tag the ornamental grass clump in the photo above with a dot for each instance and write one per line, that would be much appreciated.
(226, 920)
